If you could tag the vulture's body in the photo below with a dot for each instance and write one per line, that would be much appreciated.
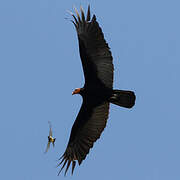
(97, 92)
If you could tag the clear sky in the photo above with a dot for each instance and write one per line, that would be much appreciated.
(40, 66)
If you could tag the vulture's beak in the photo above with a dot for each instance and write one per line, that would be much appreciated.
(76, 91)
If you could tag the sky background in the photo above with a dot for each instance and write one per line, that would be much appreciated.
(40, 66)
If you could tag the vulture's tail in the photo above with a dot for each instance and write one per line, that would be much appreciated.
(123, 98)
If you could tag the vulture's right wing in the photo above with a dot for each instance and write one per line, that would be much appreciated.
(95, 54)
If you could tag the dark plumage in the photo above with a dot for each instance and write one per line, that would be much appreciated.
(97, 92)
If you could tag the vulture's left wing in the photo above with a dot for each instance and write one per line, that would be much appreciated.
(87, 128)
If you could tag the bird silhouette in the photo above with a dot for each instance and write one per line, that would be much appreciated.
(50, 138)
(97, 92)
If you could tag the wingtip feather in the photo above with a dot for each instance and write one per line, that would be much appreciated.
(73, 166)
(82, 14)
(76, 11)
(67, 167)
(62, 166)
(88, 14)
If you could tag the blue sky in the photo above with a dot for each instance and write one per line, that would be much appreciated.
(40, 67)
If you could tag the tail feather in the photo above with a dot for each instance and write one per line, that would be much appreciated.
(123, 98)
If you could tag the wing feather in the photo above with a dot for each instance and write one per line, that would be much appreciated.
(50, 129)
(87, 128)
(48, 145)
(94, 51)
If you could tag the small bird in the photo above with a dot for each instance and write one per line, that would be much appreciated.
(50, 138)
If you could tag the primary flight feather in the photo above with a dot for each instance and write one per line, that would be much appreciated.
(97, 92)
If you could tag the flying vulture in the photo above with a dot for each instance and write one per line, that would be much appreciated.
(97, 92)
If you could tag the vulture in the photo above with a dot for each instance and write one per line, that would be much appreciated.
(97, 92)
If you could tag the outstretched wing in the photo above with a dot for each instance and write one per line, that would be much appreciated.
(94, 52)
(50, 129)
(87, 128)
(48, 145)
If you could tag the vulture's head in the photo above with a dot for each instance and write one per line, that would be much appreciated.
(78, 91)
